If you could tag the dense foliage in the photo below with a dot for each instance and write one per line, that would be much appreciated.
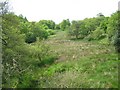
(117, 36)
(96, 28)
(19, 57)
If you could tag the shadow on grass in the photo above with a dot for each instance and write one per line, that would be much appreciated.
(47, 61)
(76, 39)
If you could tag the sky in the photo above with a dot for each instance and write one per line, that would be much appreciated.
(57, 10)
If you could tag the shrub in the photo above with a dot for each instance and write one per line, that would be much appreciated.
(96, 35)
(30, 38)
(117, 42)
(41, 54)
(48, 60)
(50, 32)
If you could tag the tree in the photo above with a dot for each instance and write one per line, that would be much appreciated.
(39, 31)
(92, 23)
(97, 34)
(51, 24)
(104, 23)
(47, 24)
(75, 29)
(14, 50)
(112, 26)
(64, 24)
(117, 38)
(19, 58)
(30, 37)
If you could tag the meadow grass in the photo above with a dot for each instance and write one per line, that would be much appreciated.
(80, 64)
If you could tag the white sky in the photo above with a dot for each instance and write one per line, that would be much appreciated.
(57, 10)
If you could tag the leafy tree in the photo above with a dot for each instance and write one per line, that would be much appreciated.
(19, 58)
(51, 24)
(47, 24)
(78, 29)
(32, 31)
(15, 52)
(22, 18)
(104, 23)
(83, 31)
(50, 32)
(117, 36)
(97, 34)
(93, 23)
(39, 32)
(112, 26)
(64, 24)
(75, 29)
(30, 37)
(14, 49)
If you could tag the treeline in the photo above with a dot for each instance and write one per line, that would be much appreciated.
(32, 30)
(95, 28)
(99, 28)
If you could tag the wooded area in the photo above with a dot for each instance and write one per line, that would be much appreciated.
(78, 54)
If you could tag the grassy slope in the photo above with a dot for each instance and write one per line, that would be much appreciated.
(80, 64)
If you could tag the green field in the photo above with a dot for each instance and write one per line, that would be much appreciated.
(80, 64)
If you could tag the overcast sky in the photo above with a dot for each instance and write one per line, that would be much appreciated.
(57, 10)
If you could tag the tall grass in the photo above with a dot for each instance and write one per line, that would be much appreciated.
(81, 64)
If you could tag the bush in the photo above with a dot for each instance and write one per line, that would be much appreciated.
(48, 60)
(50, 32)
(41, 54)
(117, 43)
(43, 34)
(96, 35)
(104, 41)
(30, 38)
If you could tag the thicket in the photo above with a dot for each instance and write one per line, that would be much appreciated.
(23, 48)
(96, 28)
